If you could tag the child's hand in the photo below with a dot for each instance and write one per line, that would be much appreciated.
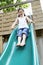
(12, 27)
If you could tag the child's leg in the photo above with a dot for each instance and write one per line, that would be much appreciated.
(19, 35)
(19, 41)
(23, 40)
(25, 34)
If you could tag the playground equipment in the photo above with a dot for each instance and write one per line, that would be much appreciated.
(26, 55)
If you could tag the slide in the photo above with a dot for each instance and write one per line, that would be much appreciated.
(26, 55)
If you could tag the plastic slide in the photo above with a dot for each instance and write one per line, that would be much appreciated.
(26, 55)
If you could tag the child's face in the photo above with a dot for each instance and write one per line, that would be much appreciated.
(21, 13)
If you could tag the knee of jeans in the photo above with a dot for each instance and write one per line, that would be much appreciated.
(25, 30)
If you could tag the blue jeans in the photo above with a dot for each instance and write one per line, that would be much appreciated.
(22, 31)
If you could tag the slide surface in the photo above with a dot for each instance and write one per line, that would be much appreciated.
(26, 55)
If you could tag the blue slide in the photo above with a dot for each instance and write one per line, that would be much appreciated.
(26, 55)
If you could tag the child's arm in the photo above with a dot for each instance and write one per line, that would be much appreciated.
(14, 24)
(29, 20)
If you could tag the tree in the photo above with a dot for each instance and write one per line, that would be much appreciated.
(7, 2)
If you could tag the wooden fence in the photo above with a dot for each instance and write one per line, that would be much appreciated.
(6, 21)
(37, 14)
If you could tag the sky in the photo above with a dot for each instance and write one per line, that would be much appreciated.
(41, 1)
(28, 11)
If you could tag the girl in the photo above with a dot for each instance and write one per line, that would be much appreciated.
(23, 28)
